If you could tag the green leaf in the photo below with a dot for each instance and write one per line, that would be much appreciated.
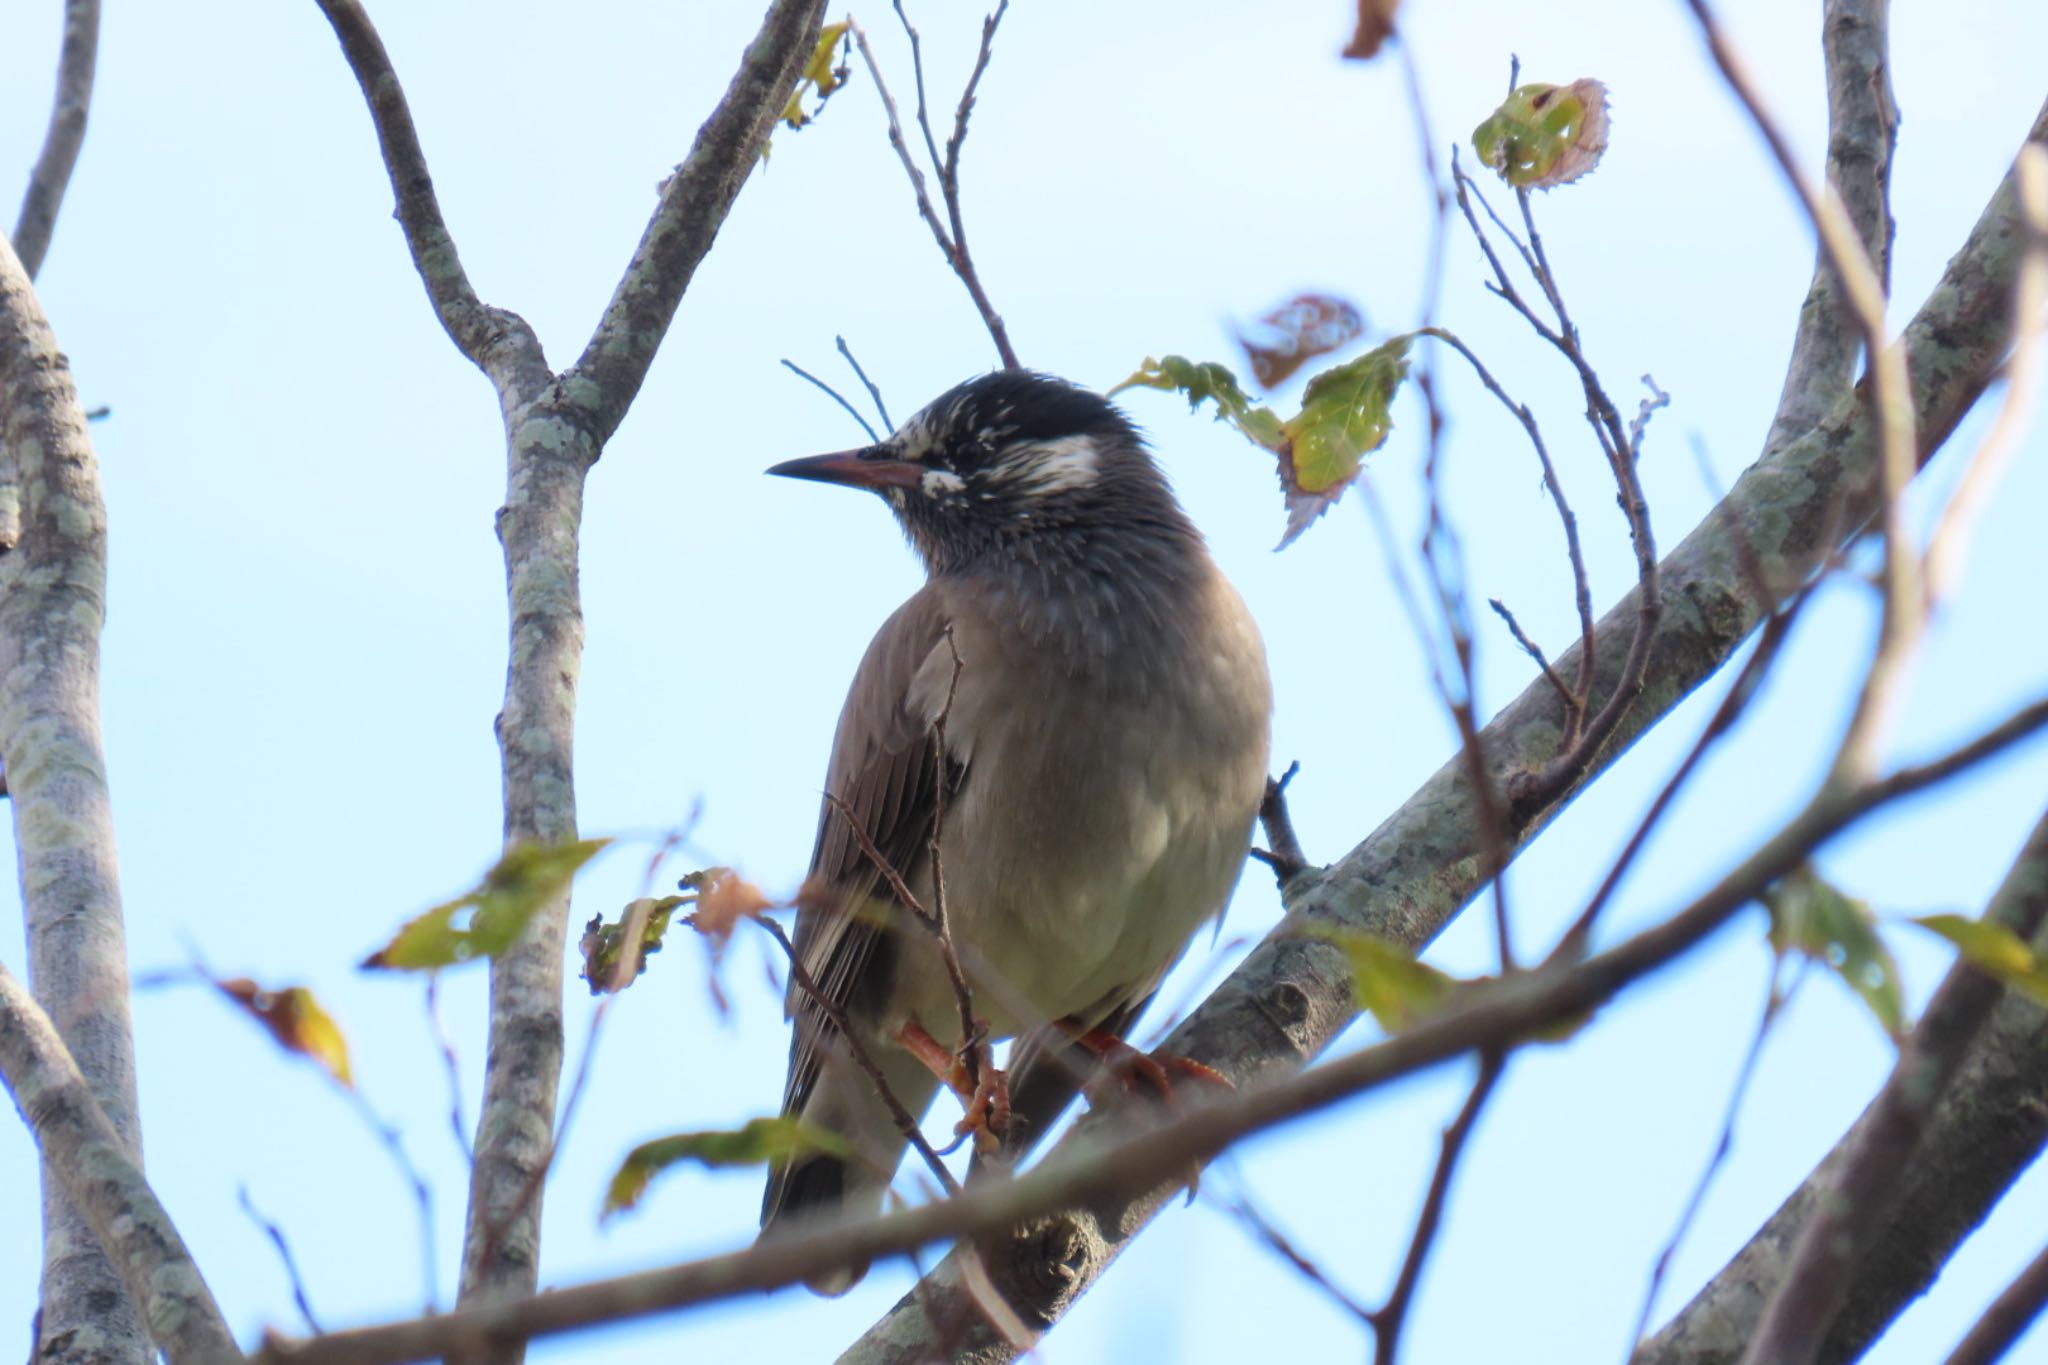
(604, 944)
(1993, 949)
(1344, 417)
(1387, 981)
(1545, 135)
(1811, 917)
(760, 1140)
(1206, 381)
(499, 907)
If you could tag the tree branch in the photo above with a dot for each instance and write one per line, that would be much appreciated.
(66, 133)
(1988, 1127)
(99, 1173)
(1095, 1165)
(1783, 520)
(497, 342)
(1854, 1208)
(694, 203)
(2007, 1318)
(50, 617)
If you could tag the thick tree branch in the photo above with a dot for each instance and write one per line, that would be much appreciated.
(100, 1176)
(497, 342)
(1988, 1126)
(65, 135)
(1854, 1209)
(1098, 1166)
(1780, 524)
(1863, 125)
(50, 616)
(694, 202)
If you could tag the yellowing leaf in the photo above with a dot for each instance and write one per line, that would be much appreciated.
(1296, 332)
(1387, 981)
(1993, 949)
(724, 898)
(822, 74)
(1545, 135)
(760, 1140)
(527, 877)
(296, 1020)
(1344, 417)
(1811, 917)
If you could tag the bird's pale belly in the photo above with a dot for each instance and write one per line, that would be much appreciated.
(1082, 902)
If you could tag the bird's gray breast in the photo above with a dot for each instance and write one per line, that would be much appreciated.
(1112, 777)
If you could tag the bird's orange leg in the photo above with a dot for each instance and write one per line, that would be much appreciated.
(1133, 1068)
(984, 1091)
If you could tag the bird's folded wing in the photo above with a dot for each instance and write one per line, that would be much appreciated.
(884, 768)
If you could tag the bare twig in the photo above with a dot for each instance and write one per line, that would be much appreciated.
(836, 396)
(1846, 1223)
(96, 1168)
(1535, 652)
(1864, 287)
(1283, 853)
(64, 136)
(1497, 1014)
(1241, 1207)
(1391, 1316)
(906, 1122)
(2009, 1315)
(284, 1254)
(952, 244)
(451, 1065)
(974, 1049)
(1775, 998)
(388, 1134)
(874, 391)
(1949, 545)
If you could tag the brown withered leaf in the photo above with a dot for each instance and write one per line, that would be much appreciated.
(1304, 327)
(1375, 26)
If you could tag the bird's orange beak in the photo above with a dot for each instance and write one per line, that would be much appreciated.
(853, 468)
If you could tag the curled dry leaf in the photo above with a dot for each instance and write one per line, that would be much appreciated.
(1299, 330)
(296, 1020)
(604, 945)
(723, 898)
(1375, 26)
(1544, 136)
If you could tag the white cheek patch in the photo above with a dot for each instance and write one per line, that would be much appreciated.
(1055, 466)
(935, 483)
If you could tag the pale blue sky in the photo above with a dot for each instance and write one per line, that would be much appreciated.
(305, 644)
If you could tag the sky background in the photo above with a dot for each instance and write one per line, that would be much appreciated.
(305, 645)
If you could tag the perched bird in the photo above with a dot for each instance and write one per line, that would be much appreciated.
(1102, 695)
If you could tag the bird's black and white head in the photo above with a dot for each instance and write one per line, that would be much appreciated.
(1011, 466)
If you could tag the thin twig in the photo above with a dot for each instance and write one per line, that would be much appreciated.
(906, 1122)
(1949, 545)
(952, 245)
(2009, 1315)
(1391, 1316)
(450, 1064)
(1775, 998)
(874, 392)
(836, 395)
(1283, 853)
(1241, 1207)
(62, 138)
(974, 1052)
(393, 1141)
(1535, 652)
(284, 1254)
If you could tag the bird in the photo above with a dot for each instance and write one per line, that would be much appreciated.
(1077, 700)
